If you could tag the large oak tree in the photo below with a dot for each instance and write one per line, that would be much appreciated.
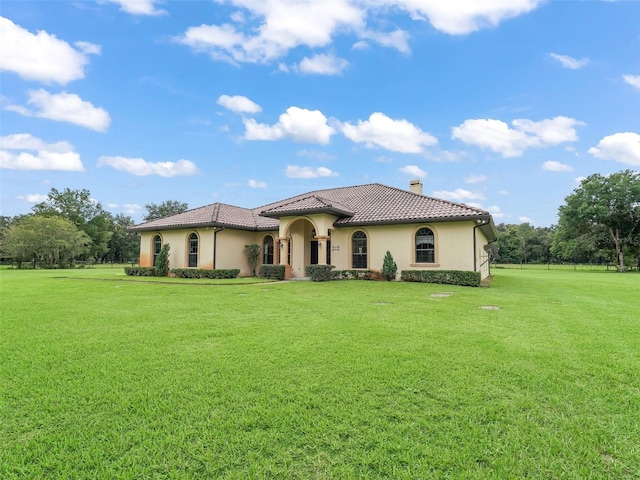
(602, 214)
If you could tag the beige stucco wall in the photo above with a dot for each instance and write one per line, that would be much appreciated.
(229, 251)
(454, 243)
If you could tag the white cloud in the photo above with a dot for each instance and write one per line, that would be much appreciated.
(475, 179)
(414, 171)
(465, 16)
(140, 167)
(394, 135)
(570, 62)
(139, 7)
(296, 171)
(64, 107)
(458, 195)
(41, 57)
(495, 211)
(619, 147)
(33, 197)
(89, 48)
(525, 220)
(263, 31)
(633, 80)
(54, 156)
(238, 103)
(296, 124)
(554, 166)
(398, 39)
(257, 184)
(512, 142)
(322, 64)
(283, 26)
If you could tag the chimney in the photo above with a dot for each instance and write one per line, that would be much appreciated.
(416, 186)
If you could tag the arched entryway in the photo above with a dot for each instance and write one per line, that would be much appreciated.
(302, 245)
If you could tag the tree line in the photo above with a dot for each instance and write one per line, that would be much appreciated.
(70, 227)
(599, 223)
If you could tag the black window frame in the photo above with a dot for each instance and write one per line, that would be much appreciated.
(359, 247)
(425, 250)
(194, 245)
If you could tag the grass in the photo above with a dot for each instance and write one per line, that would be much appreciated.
(352, 379)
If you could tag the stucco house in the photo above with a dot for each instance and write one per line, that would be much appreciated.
(348, 227)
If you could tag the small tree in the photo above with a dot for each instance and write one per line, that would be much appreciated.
(253, 255)
(389, 267)
(162, 262)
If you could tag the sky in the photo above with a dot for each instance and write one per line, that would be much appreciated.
(505, 105)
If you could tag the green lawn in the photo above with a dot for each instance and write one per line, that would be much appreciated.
(106, 378)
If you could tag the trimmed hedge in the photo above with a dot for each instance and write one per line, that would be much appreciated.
(357, 275)
(319, 273)
(204, 273)
(324, 273)
(140, 271)
(449, 277)
(276, 272)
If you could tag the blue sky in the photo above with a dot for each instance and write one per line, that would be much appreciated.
(504, 105)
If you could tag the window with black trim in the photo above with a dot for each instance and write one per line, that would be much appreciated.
(425, 246)
(359, 250)
(267, 250)
(193, 250)
(157, 246)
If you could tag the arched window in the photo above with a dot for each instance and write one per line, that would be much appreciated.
(359, 250)
(157, 246)
(267, 250)
(425, 246)
(193, 250)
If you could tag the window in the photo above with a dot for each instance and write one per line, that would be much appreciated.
(425, 246)
(359, 250)
(267, 250)
(193, 250)
(157, 246)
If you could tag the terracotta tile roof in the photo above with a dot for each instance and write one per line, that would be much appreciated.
(357, 205)
(302, 205)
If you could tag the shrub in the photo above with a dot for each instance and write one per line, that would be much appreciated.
(319, 273)
(276, 272)
(204, 273)
(450, 277)
(389, 267)
(140, 271)
(356, 275)
(253, 255)
(162, 262)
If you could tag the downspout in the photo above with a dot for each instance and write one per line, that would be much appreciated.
(215, 243)
(479, 223)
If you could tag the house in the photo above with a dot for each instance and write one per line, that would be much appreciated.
(349, 227)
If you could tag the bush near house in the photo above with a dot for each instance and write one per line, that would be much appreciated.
(323, 273)
(450, 277)
(319, 273)
(389, 267)
(275, 272)
(140, 271)
(204, 273)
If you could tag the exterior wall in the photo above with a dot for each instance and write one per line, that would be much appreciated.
(229, 251)
(454, 245)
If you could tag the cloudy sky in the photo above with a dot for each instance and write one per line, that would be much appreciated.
(504, 105)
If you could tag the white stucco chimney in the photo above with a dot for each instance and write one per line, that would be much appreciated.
(416, 186)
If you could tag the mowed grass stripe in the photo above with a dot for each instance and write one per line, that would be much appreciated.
(346, 379)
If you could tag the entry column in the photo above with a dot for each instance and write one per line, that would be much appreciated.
(322, 249)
